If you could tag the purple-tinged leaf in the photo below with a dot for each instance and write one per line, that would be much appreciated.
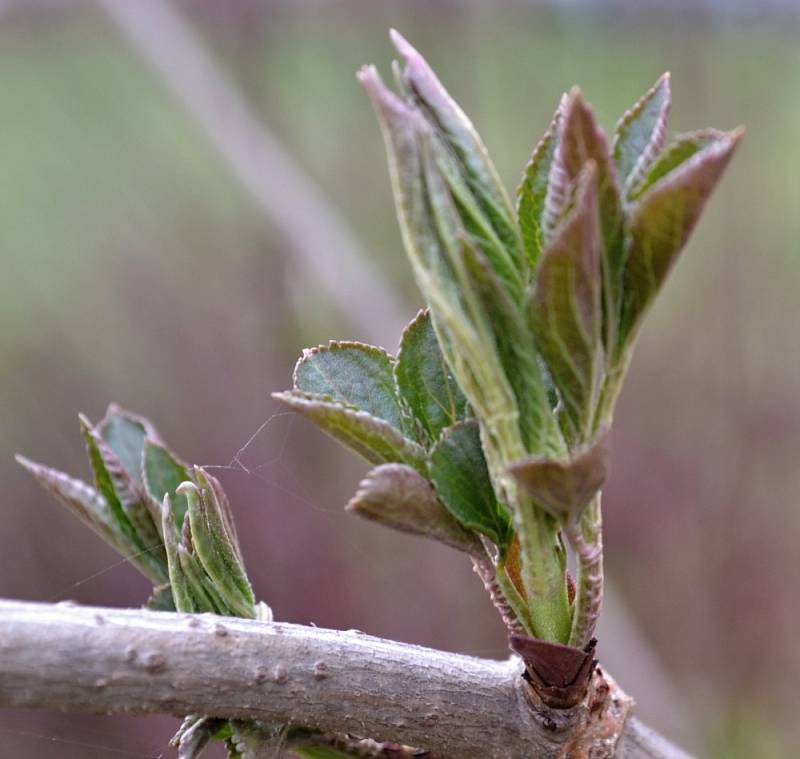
(564, 488)
(640, 133)
(680, 150)
(125, 432)
(397, 496)
(532, 192)
(452, 124)
(582, 140)
(660, 224)
(564, 307)
(369, 436)
(132, 517)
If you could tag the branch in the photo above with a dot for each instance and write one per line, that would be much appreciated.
(327, 248)
(108, 660)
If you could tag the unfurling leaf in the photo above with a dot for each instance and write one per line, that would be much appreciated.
(640, 134)
(483, 196)
(215, 544)
(399, 497)
(162, 472)
(532, 192)
(373, 438)
(179, 585)
(582, 140)
(125, 434)
(564, 307)
(424, 379)
(353, 374)
(660, 224)
(459, 474)
(128, 508)
(564, 488)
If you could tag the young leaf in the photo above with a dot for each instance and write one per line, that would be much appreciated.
(533, 191)
(162, 472)
(397, 496)
(125, 433)
(680, 150)
(564, 308)
(82, 500)
(129, 517)
(214, 544)
(463, 142)
(373, 438)
(564, 488)
(660, 224)
(178, 583)
(583, 140)
(640, 134)
(459, 473)
(353, 374)
(424, 379)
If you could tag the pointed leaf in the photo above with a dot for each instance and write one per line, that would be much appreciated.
(129, 522)
(178, 583)
(354, 374)
(424, 379)
(459, 473)
(564, 308)
(162, 472)
(464, 143)
(680, 150)
(583, 140)
(640, 134)
(82, 500)
(125, 432)
(564, 488)
(533, 191)
(213, 543)
(660, 224)
(397, 496)
(373, 438)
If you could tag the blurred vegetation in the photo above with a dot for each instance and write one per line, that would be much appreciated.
(134, 268)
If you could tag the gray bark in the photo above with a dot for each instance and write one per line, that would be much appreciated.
(109, 660)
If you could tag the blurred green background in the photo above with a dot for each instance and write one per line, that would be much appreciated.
(136, 268)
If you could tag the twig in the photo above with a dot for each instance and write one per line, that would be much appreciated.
(107, 660)
(326, 247)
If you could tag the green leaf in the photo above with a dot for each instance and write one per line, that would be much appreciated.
(564, 307)
(660, 225)
(517, 355)
(125, 433)
(680, 150)
(479, 175)
(131, 515)
(583, 140)
(458, 471)
(354, 374)
(179, 585)
(205, 597)
(424, 379)
(533, 191)
(162, 472)
(82, 500)
(564, 488)
(373, 438)
(215, 544)
(640, 134)
(397, 496)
